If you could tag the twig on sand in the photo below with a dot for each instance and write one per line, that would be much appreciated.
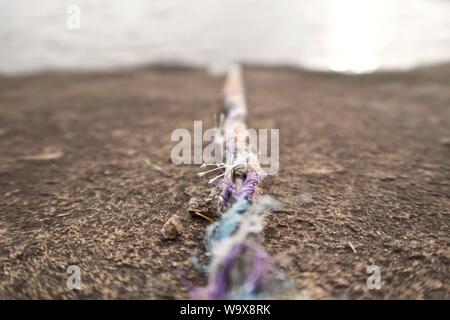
(49, 153)
(203, 216)
(63, 214)
(155, 167)
(352, 247)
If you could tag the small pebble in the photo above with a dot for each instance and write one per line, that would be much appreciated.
(172, 228)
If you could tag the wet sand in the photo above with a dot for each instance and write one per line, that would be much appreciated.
(364, 179)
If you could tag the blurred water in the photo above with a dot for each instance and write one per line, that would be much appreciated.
(341, 35)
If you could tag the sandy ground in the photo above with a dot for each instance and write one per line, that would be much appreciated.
(364, 164)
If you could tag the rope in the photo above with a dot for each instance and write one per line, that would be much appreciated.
(239, 266)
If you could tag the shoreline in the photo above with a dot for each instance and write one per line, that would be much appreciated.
(179, 66)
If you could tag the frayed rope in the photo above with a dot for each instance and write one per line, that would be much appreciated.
(239, 267)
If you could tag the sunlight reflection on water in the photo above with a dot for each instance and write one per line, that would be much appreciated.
(356, 38)
(340, 35)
